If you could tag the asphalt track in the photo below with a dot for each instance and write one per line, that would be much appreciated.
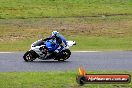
(100, 61)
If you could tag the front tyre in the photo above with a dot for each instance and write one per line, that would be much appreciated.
(65, 54)
(28, 56)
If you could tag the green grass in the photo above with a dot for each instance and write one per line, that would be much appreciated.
(50, 80)
(91, 33)
(63, 8)
(83, 43)
(96, 33)
(102, 43)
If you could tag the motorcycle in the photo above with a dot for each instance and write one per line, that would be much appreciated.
(40, 50)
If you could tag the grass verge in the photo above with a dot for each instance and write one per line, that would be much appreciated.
(50, 80)
(83, 43)
(90, 33)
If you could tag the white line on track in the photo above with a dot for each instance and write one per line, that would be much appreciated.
(85, 51)
(71, 51)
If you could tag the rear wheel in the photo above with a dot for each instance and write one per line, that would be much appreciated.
(64, 55)
(28, 56)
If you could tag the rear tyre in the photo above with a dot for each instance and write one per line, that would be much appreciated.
(28, 56)
(64, 55)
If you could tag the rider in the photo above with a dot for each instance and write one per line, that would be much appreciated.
(59, 41)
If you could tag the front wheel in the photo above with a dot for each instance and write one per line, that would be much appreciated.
(64, 55)
(28, 56)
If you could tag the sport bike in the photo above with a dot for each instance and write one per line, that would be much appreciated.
(40, 49)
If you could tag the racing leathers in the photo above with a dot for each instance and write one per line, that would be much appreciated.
(58, 43)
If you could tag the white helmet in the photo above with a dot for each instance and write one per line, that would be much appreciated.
(55, 33)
